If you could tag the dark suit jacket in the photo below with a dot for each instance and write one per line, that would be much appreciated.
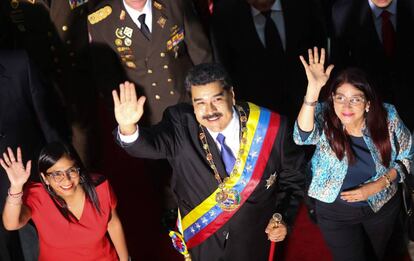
(157, 72)
(276, 83)
(355, 43)
(176, 138)
(25, 120)
(55, 37)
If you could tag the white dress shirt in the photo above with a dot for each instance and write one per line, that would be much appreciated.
(277, 17)
(134, 14)
(232, 134)
(376, 15)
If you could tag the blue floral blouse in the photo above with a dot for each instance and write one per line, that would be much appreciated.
(328, 172)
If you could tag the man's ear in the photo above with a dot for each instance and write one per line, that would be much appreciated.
(233, 95)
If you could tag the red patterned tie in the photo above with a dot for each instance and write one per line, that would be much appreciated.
(388, 34)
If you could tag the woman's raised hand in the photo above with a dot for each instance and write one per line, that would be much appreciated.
(16, 171)
(315, 70)
(128, 109)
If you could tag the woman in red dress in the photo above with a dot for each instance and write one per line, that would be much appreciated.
(73, 211)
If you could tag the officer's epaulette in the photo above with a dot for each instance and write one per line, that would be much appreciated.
(99, 15)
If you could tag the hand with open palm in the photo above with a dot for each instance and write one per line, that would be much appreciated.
(128, 109)
(315, 72)
(17, 173)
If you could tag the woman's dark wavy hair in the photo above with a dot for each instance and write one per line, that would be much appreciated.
(49, 155)
(375, 118)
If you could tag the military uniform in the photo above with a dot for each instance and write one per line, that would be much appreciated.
(55, 35)
(157, 66)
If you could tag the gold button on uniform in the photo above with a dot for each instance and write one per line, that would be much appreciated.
(165, 66)
(169, 80)
(64, 28)
(154, 84)
(162, 54)
(149, 71)
(172, 92)
(157, 97)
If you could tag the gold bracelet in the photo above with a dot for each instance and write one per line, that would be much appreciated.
(309, 103)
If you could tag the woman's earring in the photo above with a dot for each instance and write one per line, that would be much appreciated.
(82, 179)
(367, 109)
(48, 188)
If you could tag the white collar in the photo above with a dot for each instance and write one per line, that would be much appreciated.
(147, 10)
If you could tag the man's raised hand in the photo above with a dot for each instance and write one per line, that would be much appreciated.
(128, 109)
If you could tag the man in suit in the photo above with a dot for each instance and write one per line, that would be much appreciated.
(152, 43)
(54, 34)
(376, 35)
(234, 165)
(26, 122)
(259, 42)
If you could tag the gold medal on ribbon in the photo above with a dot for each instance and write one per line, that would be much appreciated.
(227, 199)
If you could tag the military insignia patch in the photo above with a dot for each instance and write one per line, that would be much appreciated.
(75, 3)
(99, 15)
(118, 42)
(122, 15)
(119, 33)
(127, 42)
(175, 39)
(157, 5)
(161, 21)
(128, 31)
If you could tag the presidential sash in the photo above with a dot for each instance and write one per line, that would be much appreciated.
(205, 219)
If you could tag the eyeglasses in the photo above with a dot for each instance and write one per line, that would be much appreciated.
(58, 176)
(353, 101)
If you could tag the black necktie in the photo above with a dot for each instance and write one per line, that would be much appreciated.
(144, 28)
(388, 34)
(272, 37)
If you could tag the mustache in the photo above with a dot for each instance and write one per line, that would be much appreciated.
(214, 115)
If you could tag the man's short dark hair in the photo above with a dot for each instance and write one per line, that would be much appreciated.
(206, 73)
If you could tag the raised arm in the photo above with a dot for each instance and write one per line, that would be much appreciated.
(128, 109)
(15, 214)
(317, 77)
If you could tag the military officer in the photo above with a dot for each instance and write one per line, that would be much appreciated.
(154, 41)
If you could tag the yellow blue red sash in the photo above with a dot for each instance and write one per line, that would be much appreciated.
(205, 219)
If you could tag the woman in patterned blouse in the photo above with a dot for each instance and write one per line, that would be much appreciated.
(361, 146)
